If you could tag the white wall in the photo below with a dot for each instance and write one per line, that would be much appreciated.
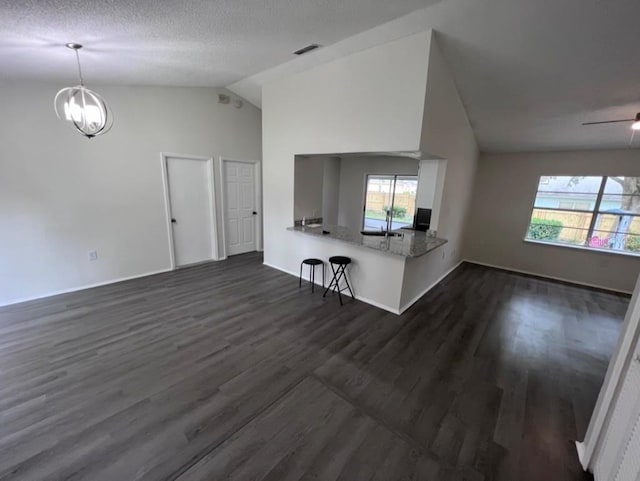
(368, 101)
(371, 101)
(504, 193)
(430, 172)
(372, 274)
(62, 195)
(331, 190)
(447, 134)
(353, 179)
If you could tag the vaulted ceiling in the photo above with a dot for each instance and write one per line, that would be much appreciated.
(175, 42)
(529, 72)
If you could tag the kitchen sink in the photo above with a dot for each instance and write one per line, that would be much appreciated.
(381, 233)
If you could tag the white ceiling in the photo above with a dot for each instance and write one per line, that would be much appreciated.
(175, 42)
(529, 71)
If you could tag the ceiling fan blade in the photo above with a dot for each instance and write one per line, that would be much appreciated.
(607, 122)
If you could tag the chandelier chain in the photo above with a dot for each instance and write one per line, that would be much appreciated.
(79, 68)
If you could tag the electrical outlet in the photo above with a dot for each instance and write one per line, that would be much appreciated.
(93, 255)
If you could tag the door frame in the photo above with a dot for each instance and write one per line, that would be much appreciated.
(257, 180)
(164, 156)
(590, 448)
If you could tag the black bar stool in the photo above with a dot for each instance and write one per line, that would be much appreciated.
(312, 263)
(339, 273)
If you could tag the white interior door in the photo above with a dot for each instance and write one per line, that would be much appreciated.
(191, 205)
(240, 207)
(619, 459)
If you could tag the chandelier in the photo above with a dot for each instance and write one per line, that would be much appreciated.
(84, 108)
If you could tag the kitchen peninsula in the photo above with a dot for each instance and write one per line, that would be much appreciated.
(387, 272)
(404, 243)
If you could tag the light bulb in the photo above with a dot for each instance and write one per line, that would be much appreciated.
(67, 111)
(636, 125)
(75, 110)
(92, 115)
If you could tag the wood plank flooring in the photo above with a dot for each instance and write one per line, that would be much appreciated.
(228, 371)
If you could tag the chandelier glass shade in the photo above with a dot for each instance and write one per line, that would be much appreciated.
(85, 109)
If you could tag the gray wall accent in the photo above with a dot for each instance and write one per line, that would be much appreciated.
(331, 190)
(503, 196)
(307, 188)
(352, 183)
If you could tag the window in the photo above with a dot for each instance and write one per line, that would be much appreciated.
(394, 193)
(592, 211)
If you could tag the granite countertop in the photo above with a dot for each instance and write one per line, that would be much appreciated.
(411, 244)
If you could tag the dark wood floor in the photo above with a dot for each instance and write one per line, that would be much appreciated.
(228, 371)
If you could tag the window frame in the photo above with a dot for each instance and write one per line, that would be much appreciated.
(595, 213)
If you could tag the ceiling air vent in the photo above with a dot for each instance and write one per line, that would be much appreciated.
(306, 49)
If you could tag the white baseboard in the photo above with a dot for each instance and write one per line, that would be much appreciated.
(81, 288)
(378, 305)
(580, 449)
(416, 298)
(360, 298)
(282, 270)
(544, 276)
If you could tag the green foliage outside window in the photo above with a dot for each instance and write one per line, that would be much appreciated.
(398, 211)
(544, 229)
(632, 243)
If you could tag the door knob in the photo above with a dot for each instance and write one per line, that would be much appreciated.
(173, 221)
(255, 213)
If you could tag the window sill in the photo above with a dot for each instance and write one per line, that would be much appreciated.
(583, 248)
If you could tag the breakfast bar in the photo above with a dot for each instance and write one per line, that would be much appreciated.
(401, 242)
(390, 272)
